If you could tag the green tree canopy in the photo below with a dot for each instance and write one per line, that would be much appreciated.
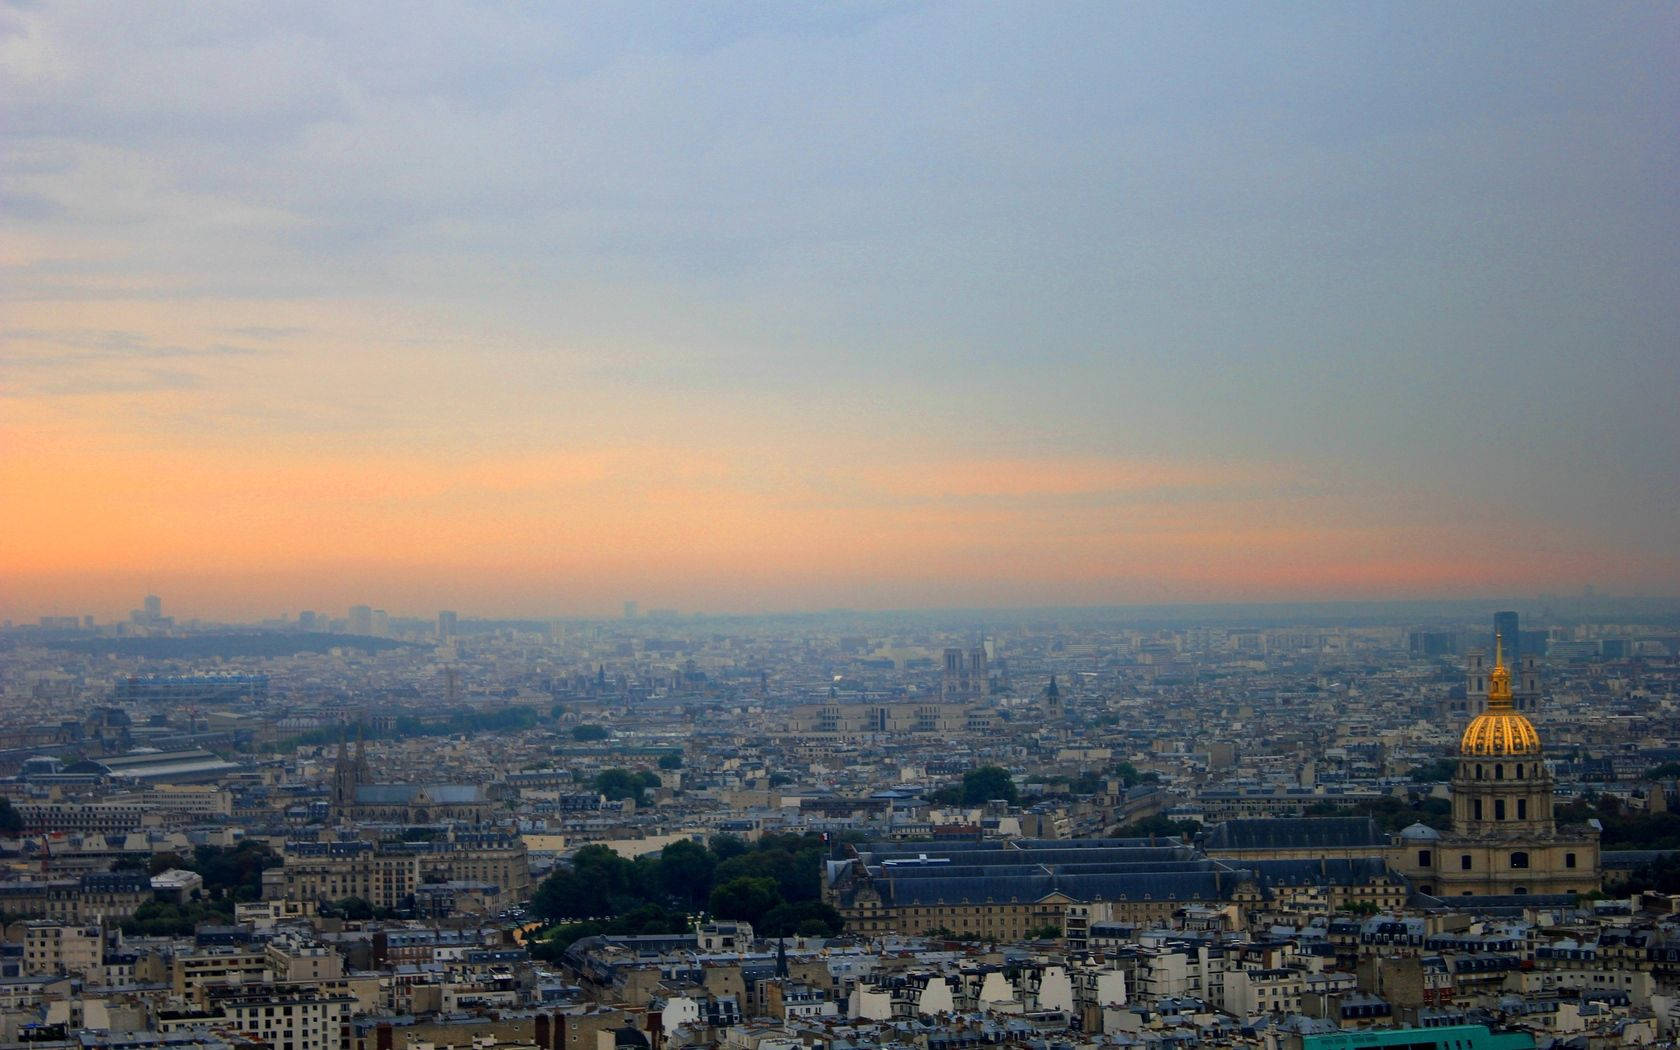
(685, 872)
(619, 784)
(1436, 772)
(745, 898)
(590, 732)
(982, 785)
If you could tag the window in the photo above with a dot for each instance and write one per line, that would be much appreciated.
(1423, 858)
(1478, 771)
(1569, 860)
(1519, 771)
(1519, 859)
(1522, 808)
(1476, 807)
(1498, 809)
(1499, 771)
(1464, 862)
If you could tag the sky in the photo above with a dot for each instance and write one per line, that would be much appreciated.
(528, 310)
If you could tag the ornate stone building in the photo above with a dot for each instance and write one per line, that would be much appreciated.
(1504, 837)
(355, 799)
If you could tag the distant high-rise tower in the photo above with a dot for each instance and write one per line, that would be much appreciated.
(1505, 630)
(361, 619)
(154, 607)
(446, 625)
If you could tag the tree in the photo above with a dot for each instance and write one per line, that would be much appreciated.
(726, 845)
(747, 899)
(356, 909)
(618, 784)
(685, 872)
(1666, 771)
(590, 732)
(1048, 932)
(987, 783)
(671, 760)
(1442, 769)
(800, 919)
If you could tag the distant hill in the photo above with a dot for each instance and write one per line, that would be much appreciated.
(200, 646)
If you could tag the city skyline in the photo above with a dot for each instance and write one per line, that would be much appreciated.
(750, 309)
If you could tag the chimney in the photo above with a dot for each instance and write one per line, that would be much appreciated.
(656, 1028)
(382, 1037)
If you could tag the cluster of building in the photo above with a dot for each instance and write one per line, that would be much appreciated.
(1213, 835)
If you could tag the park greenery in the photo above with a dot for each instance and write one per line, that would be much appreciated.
(1437, 772)
(588, 732)
(618, 784)
(1624, 826)
(774, 884)
(230, 874)
(1391, 812)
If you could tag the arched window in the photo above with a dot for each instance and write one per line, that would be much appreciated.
(1423, 858)
(1519, 859)
(1476, 808)
(1498, 809)
(1519, 770)
(1522, 809)
(1499, 771)
(1478, 771)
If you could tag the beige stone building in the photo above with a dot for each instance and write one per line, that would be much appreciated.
(1505, 839)
(853, 720)
(383, 874)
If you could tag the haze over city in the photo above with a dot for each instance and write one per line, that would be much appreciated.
(744, 308)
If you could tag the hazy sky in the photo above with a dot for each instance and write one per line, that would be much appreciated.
(531, 309)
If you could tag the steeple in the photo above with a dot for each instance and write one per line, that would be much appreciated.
(1499, 682)
(1500, 730)
(363, 774)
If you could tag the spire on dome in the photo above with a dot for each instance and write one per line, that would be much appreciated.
(1499, 682)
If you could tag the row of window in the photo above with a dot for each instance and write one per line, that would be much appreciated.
(1499, 770)
(1499, 809)
(1519, 859)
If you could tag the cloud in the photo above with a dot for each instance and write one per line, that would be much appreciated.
(919, 293)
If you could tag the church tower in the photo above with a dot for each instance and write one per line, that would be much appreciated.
(1505, 840)
(1501, 786)
(346, 775)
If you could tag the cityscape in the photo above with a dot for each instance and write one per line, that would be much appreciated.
(726, 525)
(1259, 826)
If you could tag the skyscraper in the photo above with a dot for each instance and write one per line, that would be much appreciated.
(361, 619)
(1505, 629)
(446, 625)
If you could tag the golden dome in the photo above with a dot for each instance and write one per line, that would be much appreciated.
(1500, 730)
(1493, 734)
